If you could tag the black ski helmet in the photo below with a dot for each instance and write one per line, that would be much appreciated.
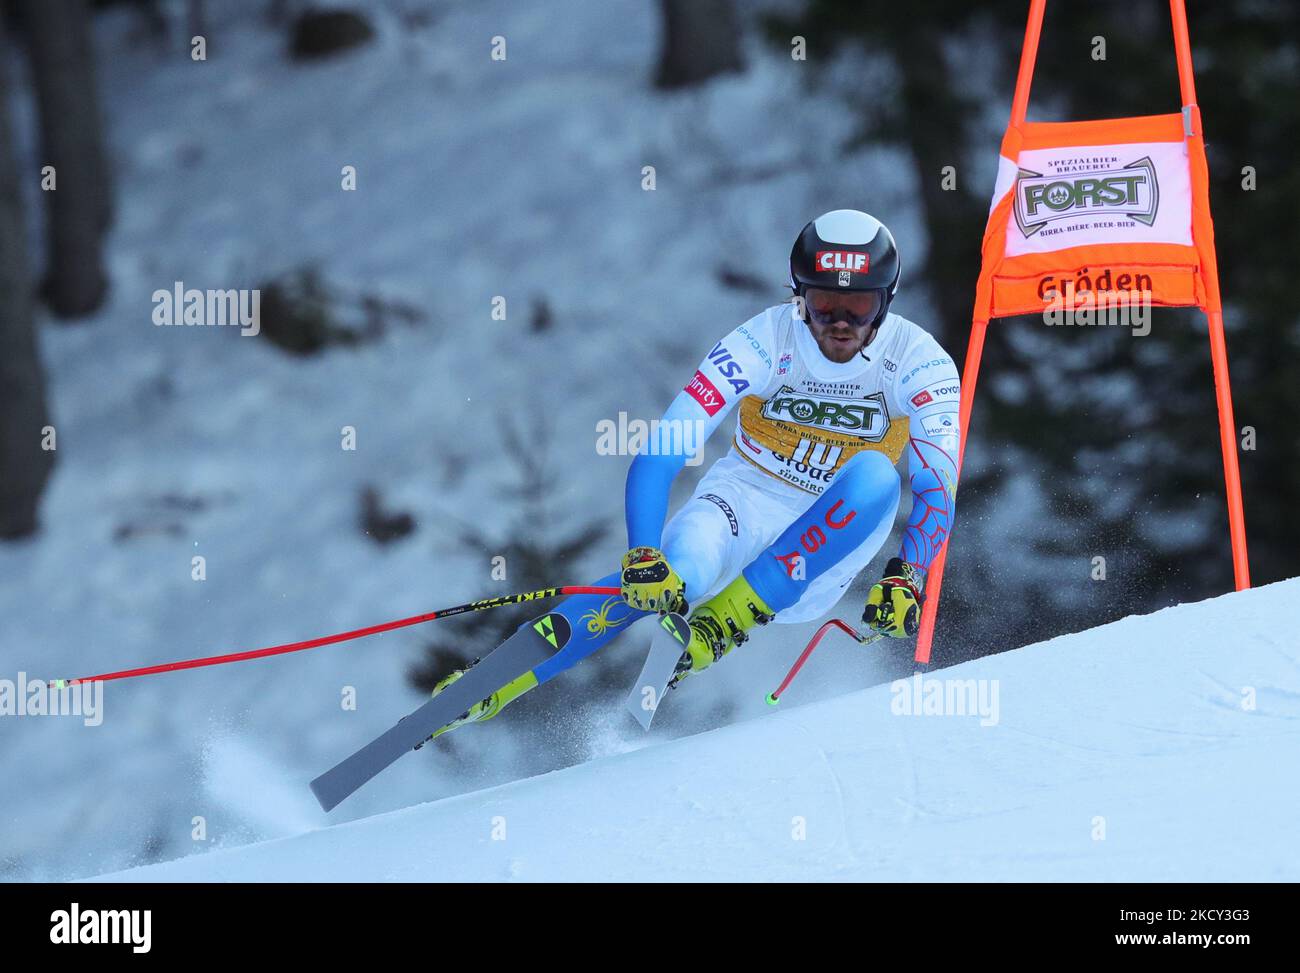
(850, 250)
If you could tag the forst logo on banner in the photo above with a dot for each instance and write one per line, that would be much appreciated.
(1131, 191)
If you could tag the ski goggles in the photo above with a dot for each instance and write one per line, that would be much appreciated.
(855, 308)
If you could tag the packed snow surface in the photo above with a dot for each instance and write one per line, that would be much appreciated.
(1163, 747)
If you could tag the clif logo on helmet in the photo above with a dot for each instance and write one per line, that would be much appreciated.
(849, 250)
(858, 263)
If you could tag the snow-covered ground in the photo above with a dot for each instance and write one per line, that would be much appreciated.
(1163, 747)
(476, 178)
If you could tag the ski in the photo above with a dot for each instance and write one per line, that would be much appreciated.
(666, 648)
(528, 648)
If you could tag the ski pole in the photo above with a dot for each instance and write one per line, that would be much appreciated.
(356, 633)
(775, 697)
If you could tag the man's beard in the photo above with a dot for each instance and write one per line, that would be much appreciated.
(839, 352)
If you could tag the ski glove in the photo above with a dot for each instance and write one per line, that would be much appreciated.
(893, 604)
(650, 584)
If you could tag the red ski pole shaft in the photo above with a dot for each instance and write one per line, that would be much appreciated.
(356, 633)
(775, 697)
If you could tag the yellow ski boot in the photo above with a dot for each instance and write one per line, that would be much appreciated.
(719, 625)
(487, 708)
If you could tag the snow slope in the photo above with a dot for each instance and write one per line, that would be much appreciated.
(1160, 747)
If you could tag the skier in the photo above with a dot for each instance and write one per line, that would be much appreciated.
(832, 390)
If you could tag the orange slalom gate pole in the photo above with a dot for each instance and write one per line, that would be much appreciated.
(975, 347)
(1228, 442)
(1183, 51)
(1213, 313)
(1028, 58)
(934, 580)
